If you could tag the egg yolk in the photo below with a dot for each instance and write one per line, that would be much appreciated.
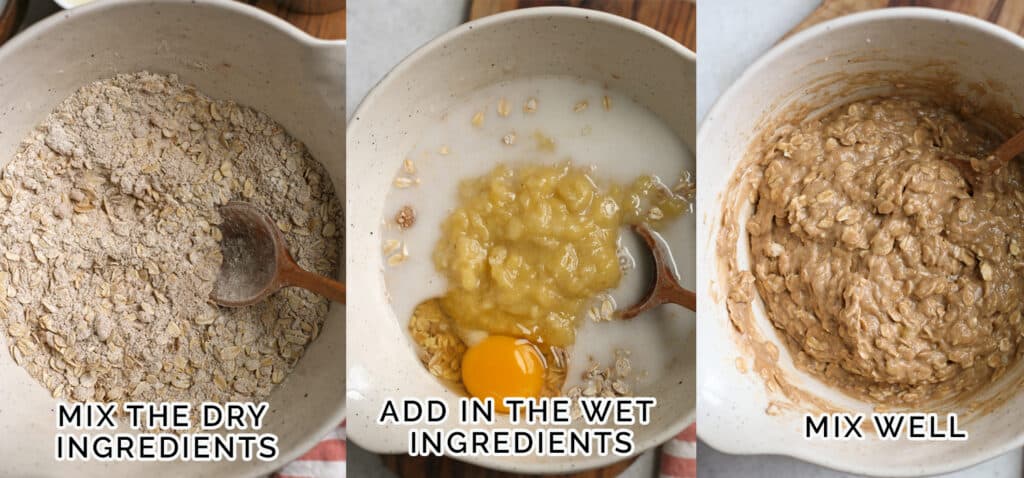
(500, 367)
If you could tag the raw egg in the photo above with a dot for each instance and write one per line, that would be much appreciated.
(500, 367)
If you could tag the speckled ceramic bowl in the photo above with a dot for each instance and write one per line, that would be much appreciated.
(630, 58)
(813, 67)
(228, 50)
(71, 3)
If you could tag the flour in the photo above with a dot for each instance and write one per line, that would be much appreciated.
(110, 245)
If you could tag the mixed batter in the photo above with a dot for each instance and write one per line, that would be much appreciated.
(886, 273)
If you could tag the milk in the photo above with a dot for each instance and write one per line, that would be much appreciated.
(619, 144)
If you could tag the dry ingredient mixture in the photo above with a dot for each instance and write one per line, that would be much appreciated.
(108, 226)
(884, 272)
(606, 381)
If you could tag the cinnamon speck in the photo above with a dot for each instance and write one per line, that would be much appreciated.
(406, 217)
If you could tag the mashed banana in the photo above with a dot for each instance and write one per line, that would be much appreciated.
(885, 274)
(528, 248)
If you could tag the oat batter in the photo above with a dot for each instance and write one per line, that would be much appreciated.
(884, 273)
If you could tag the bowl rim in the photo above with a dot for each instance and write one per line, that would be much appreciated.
(568, 464)
(55, 21)
(513, 15)
(66, 4)
(719, 439)
(235, 6)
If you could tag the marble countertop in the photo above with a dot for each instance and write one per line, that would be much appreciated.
(382, 34)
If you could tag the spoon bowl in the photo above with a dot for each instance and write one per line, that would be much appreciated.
(974, 170)
(257, 262)
(665, 289)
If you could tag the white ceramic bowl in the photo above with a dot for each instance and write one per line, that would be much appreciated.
(66, 4)
(629, 57)
(733, 404)
(228, 50)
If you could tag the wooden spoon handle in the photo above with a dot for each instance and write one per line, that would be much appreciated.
(298, 277)
(676, 294)
(1011, 148)
(666, 288)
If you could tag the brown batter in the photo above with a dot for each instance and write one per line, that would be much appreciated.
(884, 273)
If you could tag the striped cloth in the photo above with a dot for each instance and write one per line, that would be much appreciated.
(679, 455)
(325, 460)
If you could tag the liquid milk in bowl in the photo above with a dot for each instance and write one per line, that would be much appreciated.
(612, 135)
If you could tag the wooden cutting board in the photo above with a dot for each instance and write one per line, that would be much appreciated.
(675, 18)
(326, 26)
(10, 17)
(1006, 13)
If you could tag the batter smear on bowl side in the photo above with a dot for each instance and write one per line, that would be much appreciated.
(886, 275)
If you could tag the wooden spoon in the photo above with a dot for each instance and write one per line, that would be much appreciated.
(999, 158)
(257, 263)
(666, 288)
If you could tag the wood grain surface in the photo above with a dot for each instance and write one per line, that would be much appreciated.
(1006, 13)
(327, 26)
(675, 18)
(10, 18)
